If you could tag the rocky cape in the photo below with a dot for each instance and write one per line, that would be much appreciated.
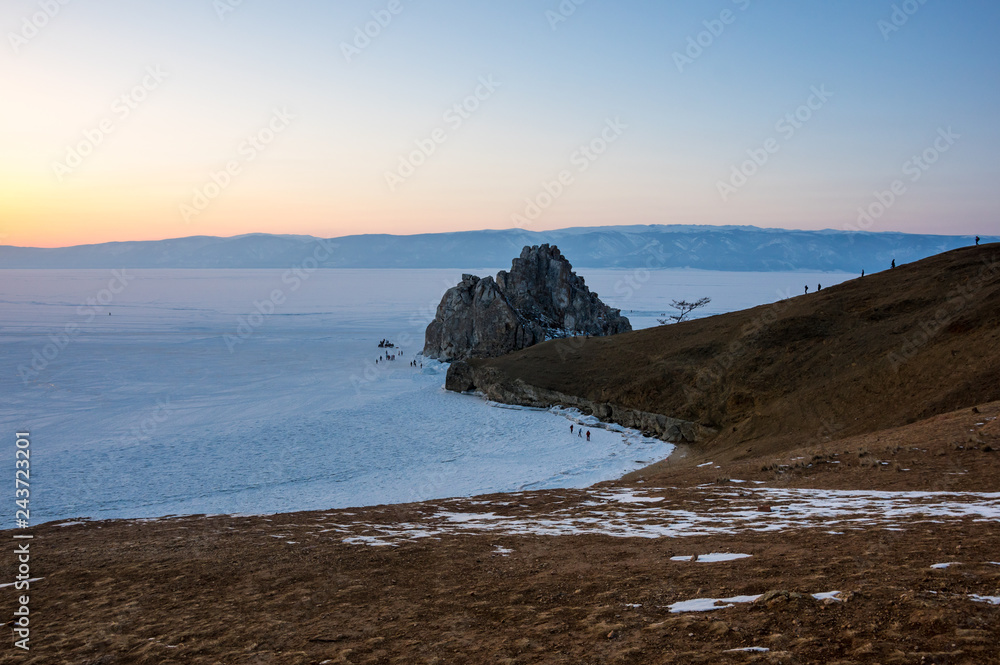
(539, 298)
(886, 350)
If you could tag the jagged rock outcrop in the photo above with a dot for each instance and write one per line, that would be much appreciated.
(539, 298)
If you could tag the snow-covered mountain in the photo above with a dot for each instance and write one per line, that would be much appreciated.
(741, 248)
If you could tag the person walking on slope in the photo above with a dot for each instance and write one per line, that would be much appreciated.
(807, 289)
(977, 245)
(893, 263)
(579, 433)
(588, 435)
(570, 429)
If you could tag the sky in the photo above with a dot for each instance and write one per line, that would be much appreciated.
(138, 120)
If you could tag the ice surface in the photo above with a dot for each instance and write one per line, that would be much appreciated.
(256, 391)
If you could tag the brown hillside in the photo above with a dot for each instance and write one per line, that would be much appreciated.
(875, 352)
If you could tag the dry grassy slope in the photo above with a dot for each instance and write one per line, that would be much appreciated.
(850, 359)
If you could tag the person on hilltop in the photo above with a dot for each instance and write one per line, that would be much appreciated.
(807, 289)
(977, 241)
(819, 287)
(893, 263)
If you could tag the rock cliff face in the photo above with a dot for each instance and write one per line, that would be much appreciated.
(495, 385)
(539, 298)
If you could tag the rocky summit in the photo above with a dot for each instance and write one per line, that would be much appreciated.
(539, 298)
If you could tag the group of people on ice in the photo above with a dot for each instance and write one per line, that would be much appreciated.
(390, 357)
(387, 357)
(579, 431)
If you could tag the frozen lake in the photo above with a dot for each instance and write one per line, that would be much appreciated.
(159, 392)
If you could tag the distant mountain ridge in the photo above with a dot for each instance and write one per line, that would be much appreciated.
(738, 248)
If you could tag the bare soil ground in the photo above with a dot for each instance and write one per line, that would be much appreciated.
(563, 576)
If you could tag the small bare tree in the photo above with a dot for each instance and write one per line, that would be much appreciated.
(684, 308)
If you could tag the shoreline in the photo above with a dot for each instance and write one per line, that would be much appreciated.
(828, 465)
(629, 437)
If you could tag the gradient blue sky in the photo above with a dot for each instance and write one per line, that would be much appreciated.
(325, 174)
